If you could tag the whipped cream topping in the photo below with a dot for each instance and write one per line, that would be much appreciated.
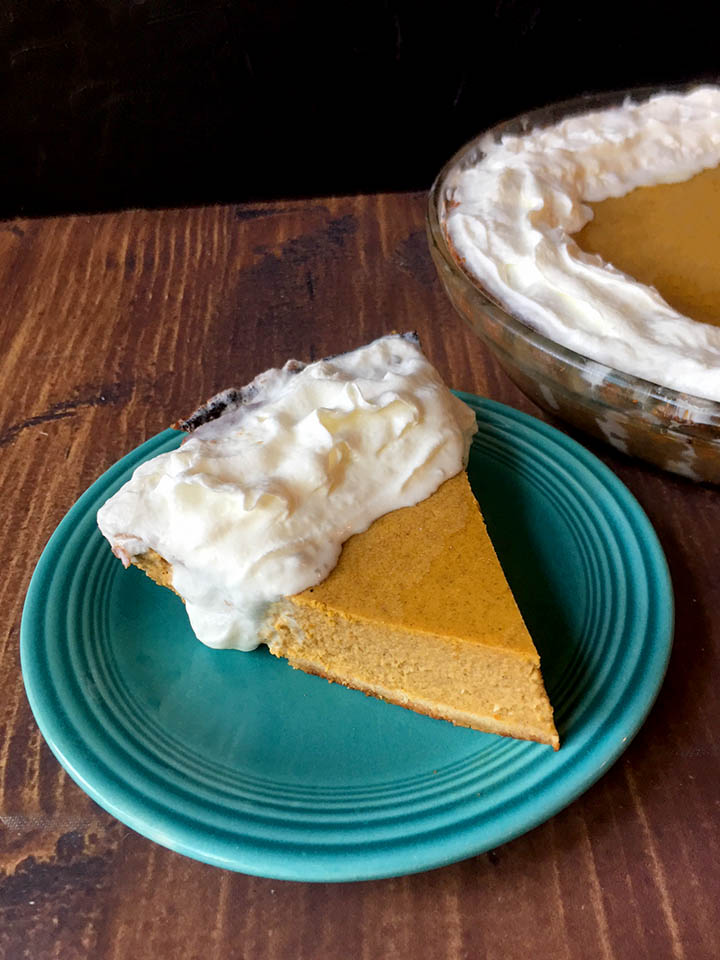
(256, 504)
(511, 216)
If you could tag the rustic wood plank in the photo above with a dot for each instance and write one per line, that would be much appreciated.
(113, 326)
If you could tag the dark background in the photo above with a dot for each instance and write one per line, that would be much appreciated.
(110, 104)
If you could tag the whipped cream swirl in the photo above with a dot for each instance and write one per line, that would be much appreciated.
(256, 504)
(511, 216)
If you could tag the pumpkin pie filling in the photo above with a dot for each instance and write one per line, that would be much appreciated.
(668, 237)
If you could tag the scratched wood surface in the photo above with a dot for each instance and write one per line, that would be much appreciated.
(113, 325)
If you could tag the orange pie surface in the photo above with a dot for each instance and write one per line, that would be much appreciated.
(667, 237)
(418, 612)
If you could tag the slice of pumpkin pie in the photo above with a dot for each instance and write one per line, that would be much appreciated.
(325, 511)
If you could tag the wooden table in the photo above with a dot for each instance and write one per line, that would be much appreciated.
(112, 326)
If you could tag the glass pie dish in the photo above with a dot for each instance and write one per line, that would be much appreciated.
(675, 431)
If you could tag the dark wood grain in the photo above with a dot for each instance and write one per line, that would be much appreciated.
(115, 325)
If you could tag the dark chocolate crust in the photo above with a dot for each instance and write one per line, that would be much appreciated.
(230, 399)
(235, 397)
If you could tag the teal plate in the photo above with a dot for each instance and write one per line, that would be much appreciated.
(238, 760)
